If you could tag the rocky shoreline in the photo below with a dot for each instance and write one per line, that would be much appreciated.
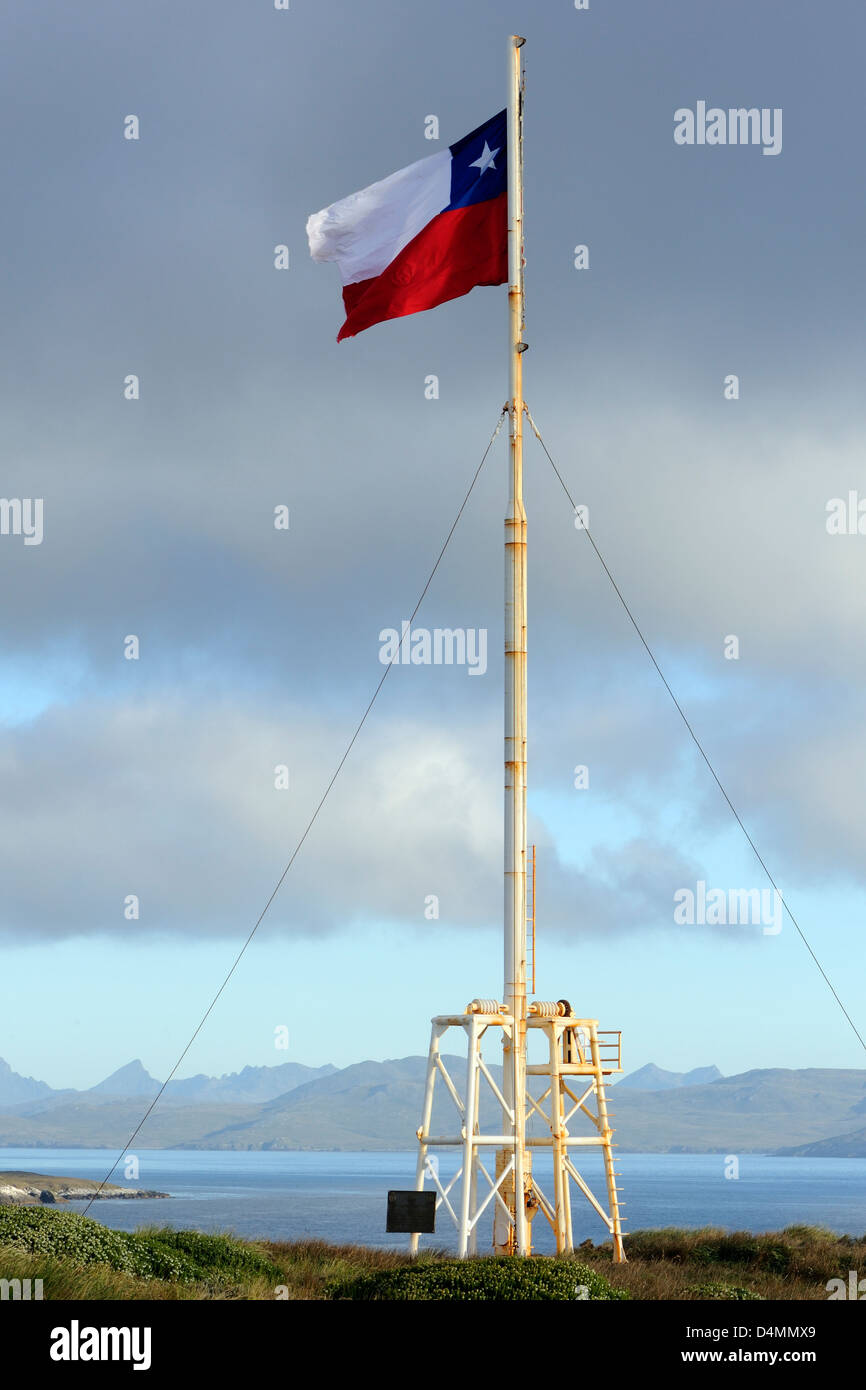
(29, 1189)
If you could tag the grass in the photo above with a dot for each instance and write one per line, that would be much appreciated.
(793, 1264)
(77, 1258)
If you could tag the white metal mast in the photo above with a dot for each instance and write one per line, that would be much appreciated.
(515, 676)
(579, 1058)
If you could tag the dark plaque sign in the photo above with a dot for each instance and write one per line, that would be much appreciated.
(411, 1212)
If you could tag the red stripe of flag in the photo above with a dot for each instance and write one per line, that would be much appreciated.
(457, 250)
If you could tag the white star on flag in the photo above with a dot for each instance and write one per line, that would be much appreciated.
(486, 159)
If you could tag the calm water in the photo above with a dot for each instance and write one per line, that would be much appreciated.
(341, 1196)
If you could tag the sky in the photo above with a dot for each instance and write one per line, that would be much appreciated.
(258, 648)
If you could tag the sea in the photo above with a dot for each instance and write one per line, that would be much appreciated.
(341, 1197)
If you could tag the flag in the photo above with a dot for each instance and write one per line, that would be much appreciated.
(427, 234)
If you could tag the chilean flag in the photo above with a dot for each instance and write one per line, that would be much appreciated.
(426, 234)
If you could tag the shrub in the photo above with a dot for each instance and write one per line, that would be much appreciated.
(494, 1278)
(213, 1254)
(739, 1248)
(184, 1256)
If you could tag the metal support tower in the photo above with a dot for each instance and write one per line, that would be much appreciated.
(571, 1087)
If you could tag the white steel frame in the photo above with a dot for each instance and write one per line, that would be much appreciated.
(574, 1081)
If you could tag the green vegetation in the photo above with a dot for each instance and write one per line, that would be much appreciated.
(795, 1263)
(720, 1291)
(78, 1258)
(491, 1279)
(156, 1253)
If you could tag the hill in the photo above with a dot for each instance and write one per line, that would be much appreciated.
(377, 1106)
(757, 1111)
(851, 1145)
(653, 1078)
(15, 1088)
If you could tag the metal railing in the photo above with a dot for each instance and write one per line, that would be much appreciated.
(610, 1049)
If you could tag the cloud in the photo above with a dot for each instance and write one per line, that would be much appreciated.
(176, 804)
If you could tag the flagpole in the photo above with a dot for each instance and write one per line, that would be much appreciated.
(515, 677)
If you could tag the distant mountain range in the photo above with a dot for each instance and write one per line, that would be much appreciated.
(377, 1106)
(254, 1085)
(653, 1078)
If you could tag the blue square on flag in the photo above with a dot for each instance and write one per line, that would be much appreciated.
(479, 164)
